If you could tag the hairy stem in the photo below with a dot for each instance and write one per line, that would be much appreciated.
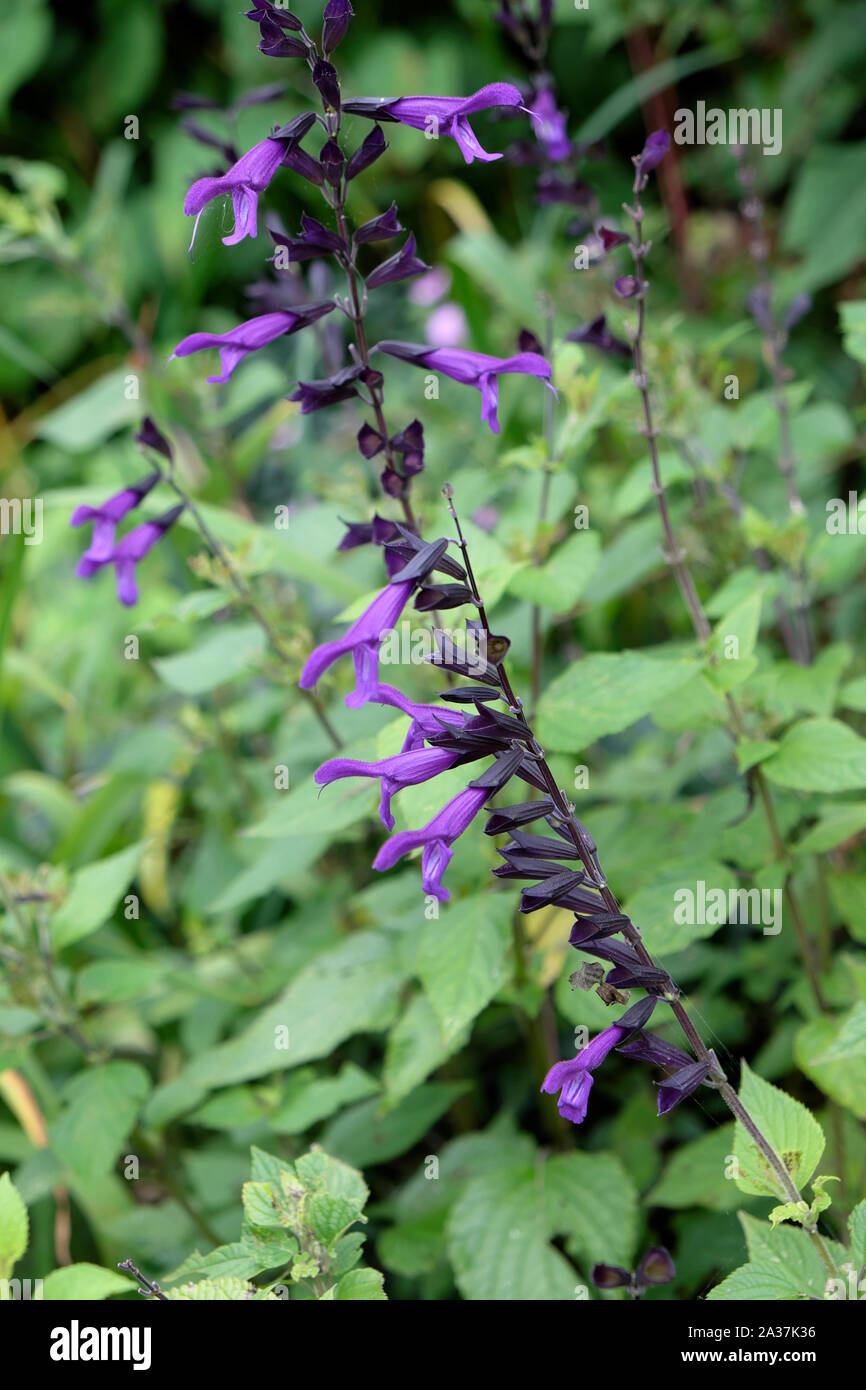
(588, 855)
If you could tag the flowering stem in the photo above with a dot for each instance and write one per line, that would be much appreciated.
(244, 592)
(332, 121)
(588, 855)
(676, 557)
(773, 339)
(549, 421)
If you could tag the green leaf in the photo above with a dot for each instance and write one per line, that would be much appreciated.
(353, 988)
(361, 1285)
(604, 694)
(94, 895)
(857, 1233)
(697, 1174)
(758, 1282)
(653, 906)
(92, 416)
(101, 1106)
(498, 1241)
(841, 1077)
(852, 316)
(223, 1289)
(850, 1041)
(14, 1226)
(220, 658)
(315, 1098)
(415, 1048)
(848, 893)
(363, 1135)
(461, 958)
(819, 755)
(733, 644)
(794, 1133)
(560, 581)
(84, 1283)
(751, 751)
(839, 823)
(593, 1202)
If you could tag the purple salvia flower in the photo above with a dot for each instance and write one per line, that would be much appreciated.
(332, 160)
(448, 115)
(436, 838)
(248, 337)
(550, 127)
(398, 267)
(244, 181)
(426, 719)
(327, 82)
(327, 391)
(362, 640)
(151, 438)
(476, 369)
(405, 769)
(372, 146)
(574, 1080)
(627, 286)
(127, 553)
(653, 152)
(380, 228)
(105, 519)
(598, 335)
(681, 1084)
(277, 14)
(337, 18)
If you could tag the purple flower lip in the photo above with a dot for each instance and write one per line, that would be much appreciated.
(362, 640)
(244, 181)
(550, 126)
(127, 553)
(573, 1078)
(450, 115)
(653, 152)
(106, 517)
(248, 337)
(476, 369)
(436, 839)
(406, 769)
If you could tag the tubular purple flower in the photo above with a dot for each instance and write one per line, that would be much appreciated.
(550, 127)
(476, 369)
(244, 181)
(248, 337)
(362, 640)
(450, 115)
(426, 719)
(105, 519)
(127, 553)
(400, 266)
(573, 1078)
(405, 769)
(653, 152)
(436, 838)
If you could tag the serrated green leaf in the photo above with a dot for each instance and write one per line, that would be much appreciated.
(604, 694)
(14, 1226)
(794, 1133)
